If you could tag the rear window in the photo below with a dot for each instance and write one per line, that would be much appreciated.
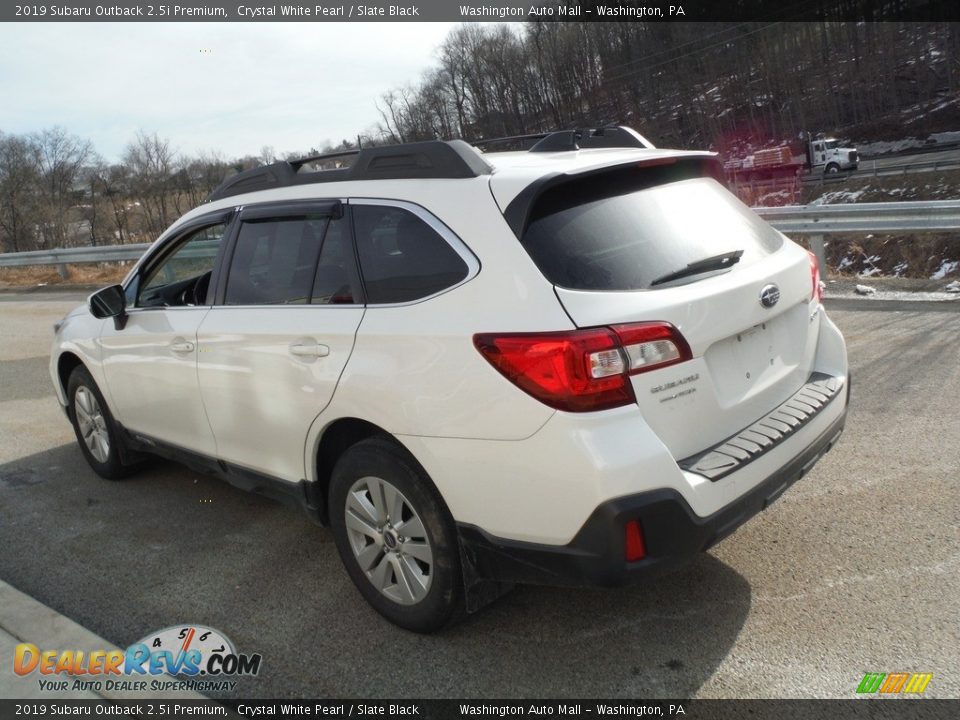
(626, 228)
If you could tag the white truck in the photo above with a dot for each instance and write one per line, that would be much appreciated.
(824, 155)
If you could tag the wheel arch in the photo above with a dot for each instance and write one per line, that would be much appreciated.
(337, 438)
(66, 364)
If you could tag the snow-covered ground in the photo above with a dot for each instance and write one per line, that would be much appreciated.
(838, 197)
(946, 267)
(885, 147)
(885, 288)
(897, 295)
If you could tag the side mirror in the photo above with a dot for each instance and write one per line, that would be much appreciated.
(110, 302)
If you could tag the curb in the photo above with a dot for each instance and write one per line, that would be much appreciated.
(23, 619)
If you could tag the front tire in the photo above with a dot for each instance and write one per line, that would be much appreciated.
(833, 169)
(94, 426)
(395, 536)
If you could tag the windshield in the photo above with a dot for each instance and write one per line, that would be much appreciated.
(625, 229)
(832, 144)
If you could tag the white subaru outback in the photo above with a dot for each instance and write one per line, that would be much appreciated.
(581, 363)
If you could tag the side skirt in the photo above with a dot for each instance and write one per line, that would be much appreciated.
(300, 495)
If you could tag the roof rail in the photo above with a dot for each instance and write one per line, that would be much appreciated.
(609, 136)
(419, 160)
(510, 139)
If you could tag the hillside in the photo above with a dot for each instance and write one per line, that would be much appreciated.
(726, 86)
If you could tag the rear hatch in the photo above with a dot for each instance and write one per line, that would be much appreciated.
(628, 245)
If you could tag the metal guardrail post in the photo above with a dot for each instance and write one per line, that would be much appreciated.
(818, 248)
(64, 272)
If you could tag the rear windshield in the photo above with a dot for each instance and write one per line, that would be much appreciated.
(624, 229)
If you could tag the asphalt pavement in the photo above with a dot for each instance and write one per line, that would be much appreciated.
(855, 569)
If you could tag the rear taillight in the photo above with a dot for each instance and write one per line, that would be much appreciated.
(817, 286)
(583, 370)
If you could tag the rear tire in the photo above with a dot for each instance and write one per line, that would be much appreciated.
(395, 536)
(94, 426)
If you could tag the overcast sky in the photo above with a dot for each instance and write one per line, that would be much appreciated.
(231, 87)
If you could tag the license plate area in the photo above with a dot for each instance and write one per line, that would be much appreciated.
(755, 350)
(758, 356)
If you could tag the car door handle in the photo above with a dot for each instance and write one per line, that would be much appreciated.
(309, 349)
(182, 346)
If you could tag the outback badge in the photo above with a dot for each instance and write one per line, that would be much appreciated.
(769, 296)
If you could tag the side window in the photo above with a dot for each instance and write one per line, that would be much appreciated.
(274, 261)
(183, 277)
(334, 283)
(401, 257)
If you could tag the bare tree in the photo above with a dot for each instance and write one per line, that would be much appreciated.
(19, 197)
(60, 159)
(150, 162)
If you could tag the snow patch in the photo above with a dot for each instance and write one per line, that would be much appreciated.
(885, 147)
(840, 196)
(946, 267)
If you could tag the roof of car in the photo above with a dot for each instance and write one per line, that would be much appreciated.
(552, 157)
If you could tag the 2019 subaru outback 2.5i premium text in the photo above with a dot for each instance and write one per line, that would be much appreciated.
(576, 364)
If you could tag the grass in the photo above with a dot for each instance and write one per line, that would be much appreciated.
(85, 274)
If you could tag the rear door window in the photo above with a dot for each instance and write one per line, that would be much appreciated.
(624, 229)
(274, 261)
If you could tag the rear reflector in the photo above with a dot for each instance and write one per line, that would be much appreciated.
(634, 547)
(583, 370)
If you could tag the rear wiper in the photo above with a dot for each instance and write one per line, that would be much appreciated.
(717, 262)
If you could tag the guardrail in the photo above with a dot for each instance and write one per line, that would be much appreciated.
(61, 257)
(79, 255)
(814, 221)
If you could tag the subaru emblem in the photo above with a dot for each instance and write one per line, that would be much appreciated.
(769, 296)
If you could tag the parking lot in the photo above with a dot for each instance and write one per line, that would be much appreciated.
(855, 569)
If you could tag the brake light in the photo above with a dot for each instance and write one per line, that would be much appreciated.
(817, 289)
(583, 370)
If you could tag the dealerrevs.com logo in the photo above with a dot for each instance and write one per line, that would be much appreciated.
(203, 659)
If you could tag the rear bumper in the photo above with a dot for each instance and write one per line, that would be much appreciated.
(673, 533)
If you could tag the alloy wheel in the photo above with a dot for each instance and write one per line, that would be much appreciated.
(92, 424)
(388, 540)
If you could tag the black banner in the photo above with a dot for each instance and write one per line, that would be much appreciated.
(479, 11)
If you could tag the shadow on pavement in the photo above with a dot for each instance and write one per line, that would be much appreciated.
(170, 546)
